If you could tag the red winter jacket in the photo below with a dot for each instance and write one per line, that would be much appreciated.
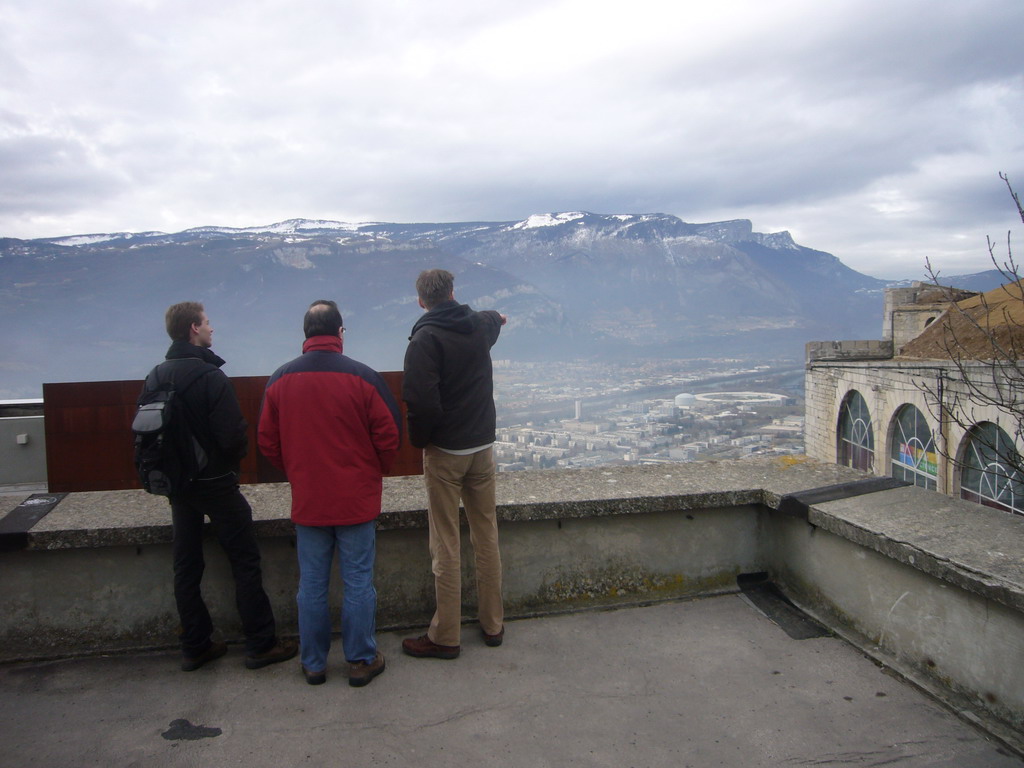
(331, 424)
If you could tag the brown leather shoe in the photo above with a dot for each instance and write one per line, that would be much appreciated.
(215, 651)
(423, 647)
(314, 678)
(493, 640)
(361, 673)
(282, 650)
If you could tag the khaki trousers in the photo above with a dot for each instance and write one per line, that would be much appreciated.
(448, 478)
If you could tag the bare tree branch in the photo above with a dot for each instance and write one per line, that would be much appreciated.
(982, 338)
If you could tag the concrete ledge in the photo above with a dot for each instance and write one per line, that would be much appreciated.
(868, 349)
(967, 545)
(95, 573)
(934, 584)
(125, 518)
(963, 647)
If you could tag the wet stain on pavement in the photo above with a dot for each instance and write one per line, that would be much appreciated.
(183, 730)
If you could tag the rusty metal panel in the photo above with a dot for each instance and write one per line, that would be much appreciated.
(254, 468)
(89, 442)
(88, 435)
(409, 460)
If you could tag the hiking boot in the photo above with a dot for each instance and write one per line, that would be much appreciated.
(215, 651)
(314, 678)
(493, 640)
(282, 650)
(361, 673)
(423, 647)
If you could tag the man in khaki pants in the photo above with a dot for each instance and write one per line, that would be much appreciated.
(449, 392)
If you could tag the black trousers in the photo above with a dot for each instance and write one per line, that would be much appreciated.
(229, 512)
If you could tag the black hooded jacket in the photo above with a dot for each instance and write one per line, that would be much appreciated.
(211, 408)
(448, 385)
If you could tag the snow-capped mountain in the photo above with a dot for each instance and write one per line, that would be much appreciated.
(573, 284)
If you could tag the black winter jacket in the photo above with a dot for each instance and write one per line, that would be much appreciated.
(211, 408)
(448, 385)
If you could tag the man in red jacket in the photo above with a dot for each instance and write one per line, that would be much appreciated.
(331, 423)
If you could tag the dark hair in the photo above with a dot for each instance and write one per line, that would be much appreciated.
(180, 318)
(322, 319)
(435, 286)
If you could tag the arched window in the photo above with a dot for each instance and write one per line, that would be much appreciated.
(856, 438)
(913, 449)
(991, 469)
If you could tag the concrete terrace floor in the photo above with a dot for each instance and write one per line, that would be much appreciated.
(708, 682)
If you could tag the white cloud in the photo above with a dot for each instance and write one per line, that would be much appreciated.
(872, 130)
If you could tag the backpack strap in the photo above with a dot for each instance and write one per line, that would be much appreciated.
(183, 373)
(165, 372)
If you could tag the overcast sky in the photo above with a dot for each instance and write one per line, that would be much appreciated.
(874, 130)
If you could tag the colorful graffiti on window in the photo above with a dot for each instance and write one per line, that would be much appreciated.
(914, 458)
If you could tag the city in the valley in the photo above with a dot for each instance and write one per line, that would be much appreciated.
(589, 413)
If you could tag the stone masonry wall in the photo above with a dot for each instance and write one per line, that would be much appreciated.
(886, 386)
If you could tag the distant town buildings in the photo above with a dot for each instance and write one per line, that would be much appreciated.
(617, 420)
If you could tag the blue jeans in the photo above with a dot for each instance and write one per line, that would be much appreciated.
(356, 551)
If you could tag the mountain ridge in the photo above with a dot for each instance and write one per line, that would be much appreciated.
(574, 284)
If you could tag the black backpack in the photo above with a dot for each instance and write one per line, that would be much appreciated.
(167, 455)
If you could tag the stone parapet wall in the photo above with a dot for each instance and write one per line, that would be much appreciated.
(868, 349)
(931, 585)
(95, 572)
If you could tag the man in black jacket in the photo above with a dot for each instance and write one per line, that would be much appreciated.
(215, 419)
(449, 392)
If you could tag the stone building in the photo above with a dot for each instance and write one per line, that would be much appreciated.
(932, 402)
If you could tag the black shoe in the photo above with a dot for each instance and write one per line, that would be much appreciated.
(361, 673)
(493, 640)
(314, 678)
(282, 650)
(215, 651)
